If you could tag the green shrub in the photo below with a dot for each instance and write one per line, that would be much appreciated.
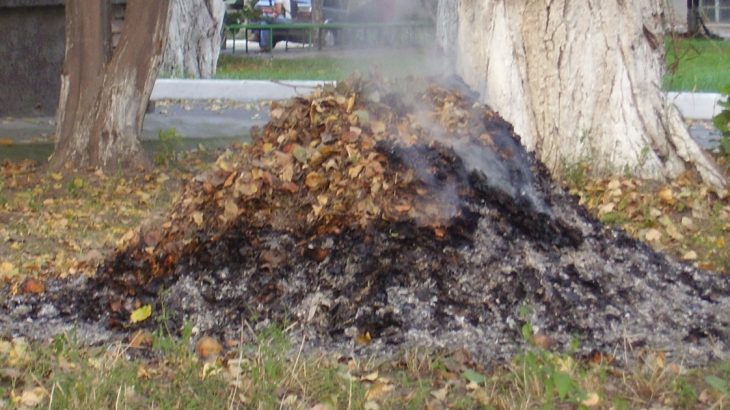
(722, 121)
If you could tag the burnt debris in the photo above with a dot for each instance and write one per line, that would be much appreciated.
(375, 219)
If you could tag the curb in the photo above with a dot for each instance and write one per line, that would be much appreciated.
(696, 106)
(238, 90)
(693, 106)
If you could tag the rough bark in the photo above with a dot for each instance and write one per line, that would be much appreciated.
(194, 40)
(103, 101)
(580, 81)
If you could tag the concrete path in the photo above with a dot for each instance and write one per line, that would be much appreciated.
(229, 108)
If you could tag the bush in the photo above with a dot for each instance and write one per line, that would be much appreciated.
(722, 121)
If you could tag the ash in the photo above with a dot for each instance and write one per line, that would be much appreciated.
(510, 248)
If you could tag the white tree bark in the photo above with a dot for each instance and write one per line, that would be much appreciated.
(580, 81)
(194, 40)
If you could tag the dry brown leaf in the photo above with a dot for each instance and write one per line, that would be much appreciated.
(32, 397)
(230, 211)
(197, 218)
(208, 348)
(314, 180)
(140, 339)
(33, 285)
(378, 390)
(652, 235)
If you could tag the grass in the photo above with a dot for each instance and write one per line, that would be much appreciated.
(697, 65)
(51, 226)
(693, 65)
(394, 63)
(268, 372)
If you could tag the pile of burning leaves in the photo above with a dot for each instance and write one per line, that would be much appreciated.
(374, 214)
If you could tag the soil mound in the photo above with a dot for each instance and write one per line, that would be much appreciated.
(375, 215)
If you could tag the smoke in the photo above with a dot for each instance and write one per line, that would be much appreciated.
(484, 143)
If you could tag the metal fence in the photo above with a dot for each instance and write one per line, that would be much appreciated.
(715, 11)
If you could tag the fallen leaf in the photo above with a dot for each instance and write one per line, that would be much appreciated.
(363, 339)
(689, 256)
(142, 372)
(592, 400)
(140, 339)
(32, 397)
(667, 196)
(141, 314)
(378, 127)
(32, 285)
(371, 405)
(8, 269)
(230, 211)
(543, 341)
(652, 235)
(314, 180)
(370, 377)
(378, 390)
(441, 393)
(198, 218)
(208, 348)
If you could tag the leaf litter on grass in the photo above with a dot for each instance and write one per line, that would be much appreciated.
(226, 211)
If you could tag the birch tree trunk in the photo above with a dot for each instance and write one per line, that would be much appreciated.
(194, 40)
(580, 81)
(103, 97)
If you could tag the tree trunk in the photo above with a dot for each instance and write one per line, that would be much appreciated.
(693, 17)
(102, 102)
(580, 81)
(194, 41)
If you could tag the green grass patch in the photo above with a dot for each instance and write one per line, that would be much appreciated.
(272, 373)
(697, 65)
(389, 62)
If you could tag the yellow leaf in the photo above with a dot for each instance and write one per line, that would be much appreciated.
(56, 176)
(8, 269)
(141, 314)
(370, 377)
(667, 196)
(198, 218)
(689, 256)
(314, 180)
(354, 171)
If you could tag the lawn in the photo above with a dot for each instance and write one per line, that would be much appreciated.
(697, 65)
(392, 63)
(68, 223)
(693, 65)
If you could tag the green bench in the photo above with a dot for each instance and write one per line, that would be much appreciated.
(409, 27)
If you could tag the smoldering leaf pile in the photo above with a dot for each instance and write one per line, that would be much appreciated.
(375, 219)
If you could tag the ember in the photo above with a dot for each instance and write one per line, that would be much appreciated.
(375, 219)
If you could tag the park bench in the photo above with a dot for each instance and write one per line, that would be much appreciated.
(403, 30)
